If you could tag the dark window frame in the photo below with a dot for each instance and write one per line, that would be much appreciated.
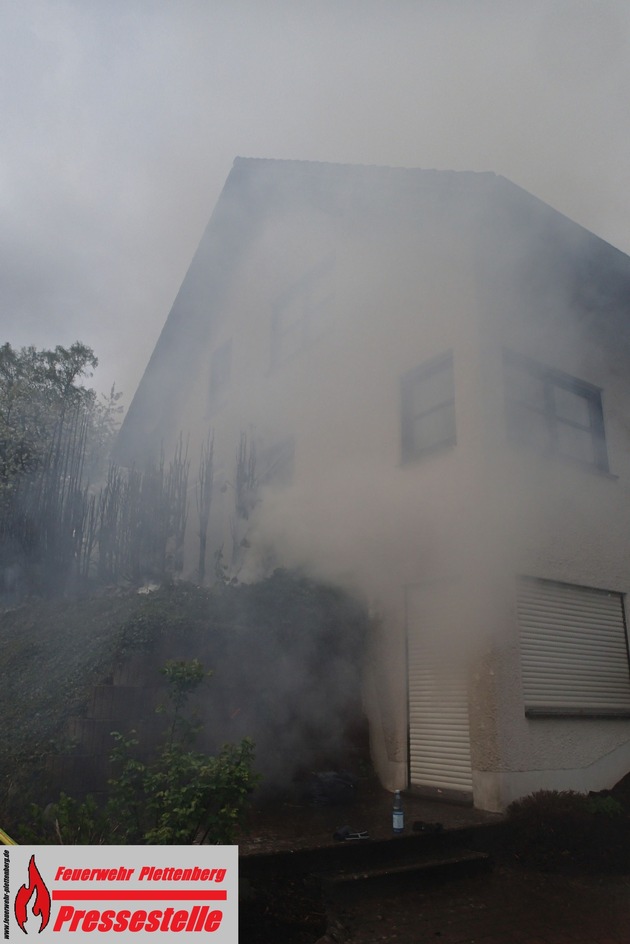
(410, 415)
(554, 423)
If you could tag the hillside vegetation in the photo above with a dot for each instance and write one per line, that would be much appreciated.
(285, 656)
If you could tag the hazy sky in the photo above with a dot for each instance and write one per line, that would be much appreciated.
(121, 119)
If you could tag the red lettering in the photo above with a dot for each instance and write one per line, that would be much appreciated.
(76, 917)
(168, 914)
(198, 919)
(90, 921)
(192, 917)
(122, 920)
(153, 921)
(213, 921)
(179, 921)
(107, 920)
(202, 916)
(137, 920)
(65, 913)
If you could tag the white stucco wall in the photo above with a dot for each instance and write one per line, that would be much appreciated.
(482, 511)
(553, 519)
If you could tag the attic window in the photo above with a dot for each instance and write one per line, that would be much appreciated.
(554, 413)
(428, 407)
(303, 312)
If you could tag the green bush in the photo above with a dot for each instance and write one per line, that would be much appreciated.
(567, 831)
(184, 796)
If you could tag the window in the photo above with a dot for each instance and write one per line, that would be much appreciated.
(220, 370)
(574, 654)
(428, 407)
(303, 313)
(554, 413)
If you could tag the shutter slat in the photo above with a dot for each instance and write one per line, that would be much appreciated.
(439, 737)
(573, 647)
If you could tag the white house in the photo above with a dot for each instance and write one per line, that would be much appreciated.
(434, 369)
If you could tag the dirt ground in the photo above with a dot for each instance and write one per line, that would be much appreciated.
(509, 905)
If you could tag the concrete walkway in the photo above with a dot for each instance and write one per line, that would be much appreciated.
(290, 825)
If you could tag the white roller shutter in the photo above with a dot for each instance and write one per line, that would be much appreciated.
(439, 738)
(574, 654)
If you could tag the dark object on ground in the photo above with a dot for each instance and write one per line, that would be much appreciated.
(330, 788)
(421, 827)
(345, 832)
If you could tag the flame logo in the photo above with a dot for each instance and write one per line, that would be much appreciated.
(41, 905)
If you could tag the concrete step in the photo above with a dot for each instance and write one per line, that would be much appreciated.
(436, 867)
(373, 854)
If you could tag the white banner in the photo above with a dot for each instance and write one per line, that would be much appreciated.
(127, 893)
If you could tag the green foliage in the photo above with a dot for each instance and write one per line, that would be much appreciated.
(565, 830)
(174, 610)
(287, 648)
(126, 798)
(73, 640)
(68, 822)
(54, 437)
(605, 806)
(547, 803)
(38, 391)
(284, 649)
(183, 796)
(195, 797)
(183, 679)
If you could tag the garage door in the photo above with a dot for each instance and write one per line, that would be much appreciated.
(439, 737)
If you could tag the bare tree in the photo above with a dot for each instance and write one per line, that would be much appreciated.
(205, 482)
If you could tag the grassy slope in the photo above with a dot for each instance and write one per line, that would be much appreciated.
(51, 654)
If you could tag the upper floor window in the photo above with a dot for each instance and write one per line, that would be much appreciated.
(554, 413)
(428, 407)
(220, 371)
(303, 312)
